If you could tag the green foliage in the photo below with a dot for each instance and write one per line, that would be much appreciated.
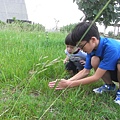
(21, 26)
(23, 53)
(2, 23)
(118, 36)
(111, 34)
(91, 8)
(29, 60)
(67, 28)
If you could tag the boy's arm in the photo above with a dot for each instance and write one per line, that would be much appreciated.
(66, 59)
(83, 73)
(73, 82)
(98, 74)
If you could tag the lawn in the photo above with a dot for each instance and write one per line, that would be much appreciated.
(28, 62)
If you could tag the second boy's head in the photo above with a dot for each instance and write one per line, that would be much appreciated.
(70, 45)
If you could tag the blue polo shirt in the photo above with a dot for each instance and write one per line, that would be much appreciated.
(108, 51)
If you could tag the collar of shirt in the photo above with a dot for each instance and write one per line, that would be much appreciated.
(100, 47)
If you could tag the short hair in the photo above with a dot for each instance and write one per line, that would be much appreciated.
(69, 41)
(81, 28)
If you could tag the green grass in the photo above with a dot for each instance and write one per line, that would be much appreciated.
(28, 62)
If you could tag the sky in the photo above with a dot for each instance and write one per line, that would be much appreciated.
(50, 13)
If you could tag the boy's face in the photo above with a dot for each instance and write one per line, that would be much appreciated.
(88, 47)
(71, 48)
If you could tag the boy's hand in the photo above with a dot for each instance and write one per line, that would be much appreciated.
(82, 62)
(65, 61)
(62, 84)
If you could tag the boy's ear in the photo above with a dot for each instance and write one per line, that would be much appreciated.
(93, 39)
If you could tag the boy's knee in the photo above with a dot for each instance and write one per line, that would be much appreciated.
(118, 62)
(95, 61)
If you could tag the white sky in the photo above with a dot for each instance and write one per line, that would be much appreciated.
(46, 11)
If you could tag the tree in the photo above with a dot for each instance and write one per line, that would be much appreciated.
(111, 15)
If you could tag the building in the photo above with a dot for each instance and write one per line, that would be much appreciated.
(10, 9)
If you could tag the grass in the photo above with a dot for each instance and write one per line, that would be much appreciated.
(29, 60)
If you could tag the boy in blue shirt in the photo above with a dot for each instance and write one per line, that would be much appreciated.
(103, 55)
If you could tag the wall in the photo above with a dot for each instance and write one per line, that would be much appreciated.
(13, 8)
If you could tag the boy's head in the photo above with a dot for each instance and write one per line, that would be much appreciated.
(70, 45)
(90, 40)
(81, 28)
(68, 40)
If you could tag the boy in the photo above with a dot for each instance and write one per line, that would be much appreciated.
(103, 54)
(75, 58)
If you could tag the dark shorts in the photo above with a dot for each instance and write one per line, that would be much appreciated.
(74, 66)
(114, 73)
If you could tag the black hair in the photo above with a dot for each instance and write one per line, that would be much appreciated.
(81, 28)
(69, 41)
